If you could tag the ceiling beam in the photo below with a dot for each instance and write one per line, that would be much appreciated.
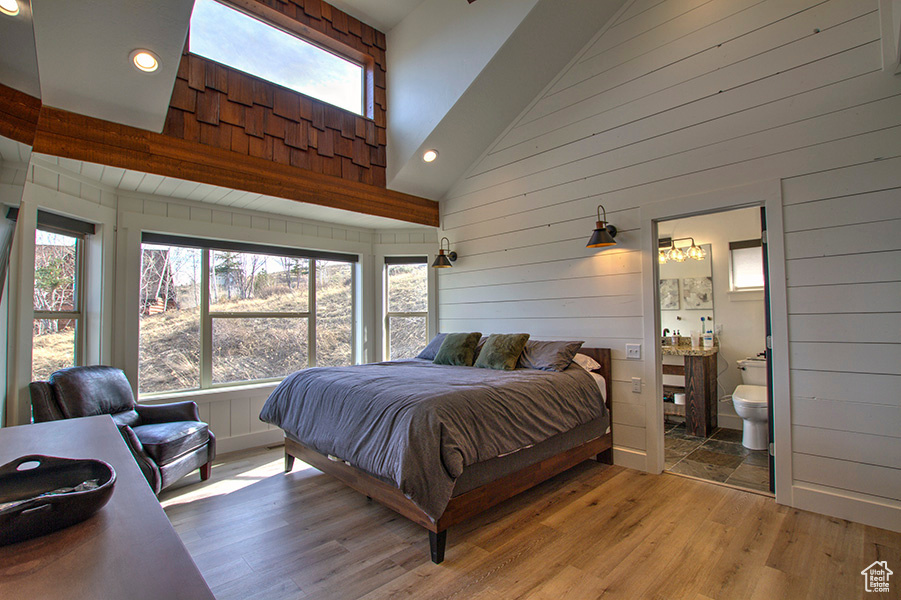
(18, 115)
(69, 135)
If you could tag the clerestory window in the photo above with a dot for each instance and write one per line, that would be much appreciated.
(242, 41)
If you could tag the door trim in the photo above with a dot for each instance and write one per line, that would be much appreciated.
(769, 195)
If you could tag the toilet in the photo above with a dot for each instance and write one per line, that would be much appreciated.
(749, 400)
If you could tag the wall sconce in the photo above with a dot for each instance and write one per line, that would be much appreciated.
(668, 251)
(603, 234)
(443, 261)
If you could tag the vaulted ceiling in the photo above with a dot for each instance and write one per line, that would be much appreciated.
(458, 73)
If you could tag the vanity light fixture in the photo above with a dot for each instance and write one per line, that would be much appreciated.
(429, 156)
(144, 60)
(603, 234)
(9, 7)
(668, 251)
(443, 261)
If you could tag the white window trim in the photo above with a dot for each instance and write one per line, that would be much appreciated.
(206, 337)
(429, 250)
(386, 318)
(737, 291)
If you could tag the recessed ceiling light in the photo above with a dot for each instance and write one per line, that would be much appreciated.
(429, 155)
(9, 7)
(143, 60)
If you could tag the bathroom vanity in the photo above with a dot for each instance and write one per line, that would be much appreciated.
(699, 370)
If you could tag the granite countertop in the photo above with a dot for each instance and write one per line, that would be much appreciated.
(684, 348)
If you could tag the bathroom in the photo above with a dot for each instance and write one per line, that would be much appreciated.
(721, 281)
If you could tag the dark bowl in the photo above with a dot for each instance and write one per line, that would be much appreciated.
(40, 515)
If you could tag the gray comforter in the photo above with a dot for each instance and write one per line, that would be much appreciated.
(417, 424)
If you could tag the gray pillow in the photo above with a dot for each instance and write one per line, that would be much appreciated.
(501, 351)
(458, 349)
(430, 351)
(548, 356)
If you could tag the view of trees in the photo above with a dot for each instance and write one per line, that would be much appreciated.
(259, 307)
(55, 265)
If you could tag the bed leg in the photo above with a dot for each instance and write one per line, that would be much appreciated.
(289, 462)
(606, 457)
(437, 543)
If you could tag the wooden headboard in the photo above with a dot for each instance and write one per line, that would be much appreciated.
(602, 355)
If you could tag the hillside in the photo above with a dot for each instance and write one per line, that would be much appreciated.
(250, 348)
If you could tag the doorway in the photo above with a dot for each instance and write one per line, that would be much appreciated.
(712, 311)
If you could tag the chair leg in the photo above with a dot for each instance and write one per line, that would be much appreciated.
(205, 471)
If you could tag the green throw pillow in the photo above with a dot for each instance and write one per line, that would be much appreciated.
(458, 349)
(501, 351)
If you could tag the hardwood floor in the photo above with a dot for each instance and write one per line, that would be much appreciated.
(596, 531)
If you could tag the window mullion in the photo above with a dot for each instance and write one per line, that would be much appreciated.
(311, 323)
(206, 323)
(353, 314)
(78, 301)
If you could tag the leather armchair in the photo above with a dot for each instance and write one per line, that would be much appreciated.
(168, 441)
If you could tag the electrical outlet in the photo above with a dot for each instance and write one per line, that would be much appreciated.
(633, 351)
(636, 385)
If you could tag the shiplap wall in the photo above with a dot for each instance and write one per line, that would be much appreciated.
(681, 97)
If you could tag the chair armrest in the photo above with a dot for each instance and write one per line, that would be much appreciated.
(43, 404)
(149, 469)
(166, 413)
(131, 440)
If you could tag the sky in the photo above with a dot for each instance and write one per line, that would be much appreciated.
(233, 38)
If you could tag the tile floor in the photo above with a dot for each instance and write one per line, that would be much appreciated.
(720, 457)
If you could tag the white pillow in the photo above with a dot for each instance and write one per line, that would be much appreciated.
(586, 362)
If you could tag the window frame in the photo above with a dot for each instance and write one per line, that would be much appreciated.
(208, 314)
(401, 260)
(742, 245)
(61, 225)
(279, 20)
(76, 315)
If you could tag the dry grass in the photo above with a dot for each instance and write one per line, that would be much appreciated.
(246, 349)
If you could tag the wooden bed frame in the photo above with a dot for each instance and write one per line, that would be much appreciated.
(472, 502)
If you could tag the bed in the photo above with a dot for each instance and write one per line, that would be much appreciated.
(440, 446)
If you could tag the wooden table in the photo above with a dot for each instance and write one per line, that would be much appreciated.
(128, 549)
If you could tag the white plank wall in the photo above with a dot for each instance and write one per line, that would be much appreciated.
(678, 98)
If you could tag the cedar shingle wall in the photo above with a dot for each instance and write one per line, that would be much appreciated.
(218, 106)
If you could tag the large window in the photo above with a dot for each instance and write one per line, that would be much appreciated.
(216, 313)
(407, 306)
(241, 41)
(58, 335)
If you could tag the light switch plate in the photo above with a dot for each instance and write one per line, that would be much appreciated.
(636, 385)
(633, 351)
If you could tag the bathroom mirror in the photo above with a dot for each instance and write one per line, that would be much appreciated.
(686, 293)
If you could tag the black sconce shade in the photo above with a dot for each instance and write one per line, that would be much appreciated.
(443, 261)
(603, 234)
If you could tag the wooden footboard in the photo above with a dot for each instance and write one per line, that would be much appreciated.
(460, 507)
(474, 501)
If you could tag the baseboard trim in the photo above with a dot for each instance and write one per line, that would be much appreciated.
(853, 506)
(730, 422)
(631, 458)
(250, 440)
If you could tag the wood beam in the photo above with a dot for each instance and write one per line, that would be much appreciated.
(69, 135)
(18, 115)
